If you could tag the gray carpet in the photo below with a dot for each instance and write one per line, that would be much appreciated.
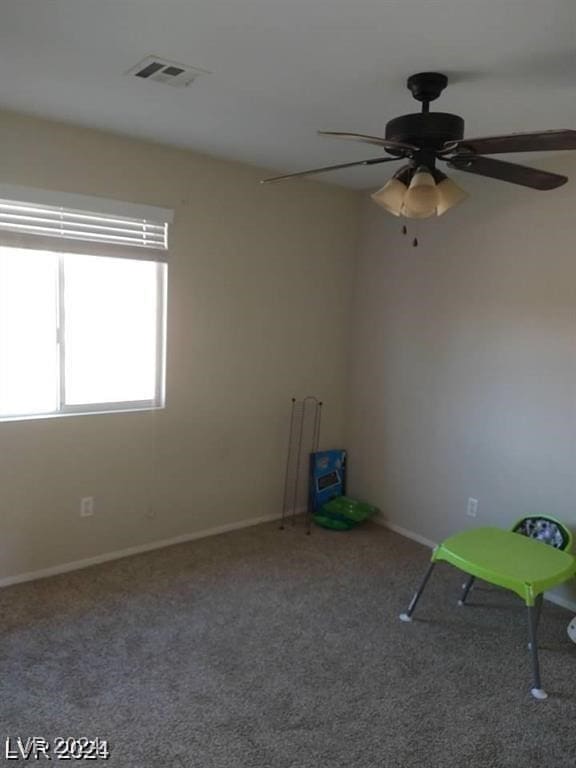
(268, 649)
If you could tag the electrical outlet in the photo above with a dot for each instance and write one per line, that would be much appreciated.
(472, 508)
(87, 506)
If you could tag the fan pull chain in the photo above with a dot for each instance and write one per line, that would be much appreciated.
(415, 242)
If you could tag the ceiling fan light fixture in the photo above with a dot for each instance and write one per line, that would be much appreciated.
(449, 195)
(421, 198)
(422, 178)
(419, 212)
(391, 196)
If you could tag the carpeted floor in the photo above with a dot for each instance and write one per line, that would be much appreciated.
(269, 649)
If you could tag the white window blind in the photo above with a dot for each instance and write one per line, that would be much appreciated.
(30, 219)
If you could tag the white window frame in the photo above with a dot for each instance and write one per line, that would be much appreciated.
(158, 401)
(38, 243)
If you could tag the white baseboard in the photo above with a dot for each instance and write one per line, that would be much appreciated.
(408, 534)
(563, 602)
(77, 565)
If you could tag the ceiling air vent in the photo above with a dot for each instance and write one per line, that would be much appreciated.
(163, 71)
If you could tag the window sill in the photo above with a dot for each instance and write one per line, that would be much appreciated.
(68, 414)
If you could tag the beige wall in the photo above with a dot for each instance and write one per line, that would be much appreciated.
(464, 372)
(259, 283)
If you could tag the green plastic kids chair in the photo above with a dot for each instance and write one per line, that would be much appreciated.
(544, 528)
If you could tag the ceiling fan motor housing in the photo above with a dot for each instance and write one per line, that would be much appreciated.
(426, 130)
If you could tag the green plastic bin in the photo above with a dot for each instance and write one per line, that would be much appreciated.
(343, 513)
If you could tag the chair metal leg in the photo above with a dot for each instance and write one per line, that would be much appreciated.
(537, 690)
(466, 589)
(417, 595)
(539, 604)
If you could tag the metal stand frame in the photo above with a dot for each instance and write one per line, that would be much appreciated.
(417, 595)
(304, 438)
(534, 613)
(466, 589)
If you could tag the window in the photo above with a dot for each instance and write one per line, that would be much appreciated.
(80, 332)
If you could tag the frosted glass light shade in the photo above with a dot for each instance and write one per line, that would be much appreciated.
(421, 199)
(449, 195)
(430, 193)
(391, 196)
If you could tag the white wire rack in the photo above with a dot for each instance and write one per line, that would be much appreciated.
(304, 438)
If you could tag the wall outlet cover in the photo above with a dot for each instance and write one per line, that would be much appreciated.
(87, 506)
(472, 508)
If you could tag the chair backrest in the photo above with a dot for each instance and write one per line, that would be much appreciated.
(545, 528)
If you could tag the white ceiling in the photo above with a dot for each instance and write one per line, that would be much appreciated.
(283, 68)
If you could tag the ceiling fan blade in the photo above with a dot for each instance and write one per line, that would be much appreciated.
(511, 172)
(367, 139)
(542, 141)
(326, 168)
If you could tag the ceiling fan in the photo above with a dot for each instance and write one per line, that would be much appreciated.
(418, 190)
